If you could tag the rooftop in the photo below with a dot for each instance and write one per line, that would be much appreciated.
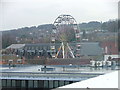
(16, 46)
(109, 80)
(87, 48)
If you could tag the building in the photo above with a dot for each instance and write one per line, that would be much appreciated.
(109, 47)
(87, 48)
(30, 52)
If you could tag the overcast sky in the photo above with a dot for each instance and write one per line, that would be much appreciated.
(22, 13)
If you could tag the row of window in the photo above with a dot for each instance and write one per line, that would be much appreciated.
(39, 48)
(33, 83)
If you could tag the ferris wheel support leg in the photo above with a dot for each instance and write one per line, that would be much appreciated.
(70, 51)
(63, 49)
(58, 51)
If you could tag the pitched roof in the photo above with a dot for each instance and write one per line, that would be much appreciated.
(16, 46)
(91, 48)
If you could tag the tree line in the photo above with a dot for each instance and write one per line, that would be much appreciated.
(111, 25)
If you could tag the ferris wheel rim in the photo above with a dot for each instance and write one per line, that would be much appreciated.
(64, 15)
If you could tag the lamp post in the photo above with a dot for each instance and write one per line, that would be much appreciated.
(44, 60)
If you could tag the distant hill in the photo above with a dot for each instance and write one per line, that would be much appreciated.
(111, 25)
(27, 30)
(90, 25)
(41, 33)
(26, 35)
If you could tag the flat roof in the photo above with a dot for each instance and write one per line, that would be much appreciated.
(32, 73)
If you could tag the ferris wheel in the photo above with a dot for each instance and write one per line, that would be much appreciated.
(65, 30)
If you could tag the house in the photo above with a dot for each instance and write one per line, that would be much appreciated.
(109, 47)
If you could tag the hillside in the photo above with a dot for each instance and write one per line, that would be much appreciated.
(41, 33)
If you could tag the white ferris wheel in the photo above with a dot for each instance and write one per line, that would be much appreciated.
(65, 30)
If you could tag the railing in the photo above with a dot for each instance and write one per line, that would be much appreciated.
(54, 76)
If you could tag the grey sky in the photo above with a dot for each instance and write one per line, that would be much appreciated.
(22, 13)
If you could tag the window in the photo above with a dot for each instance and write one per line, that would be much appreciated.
(41, 84)
(35, 84)
(66, 82)
(18, 83)
(61, 83)
(110, 46)
(8, 83)
(46, 84)
(50, 84)
(23, 83)
(30, 84)
(13, 83)
(4, 83)
(56, 84)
